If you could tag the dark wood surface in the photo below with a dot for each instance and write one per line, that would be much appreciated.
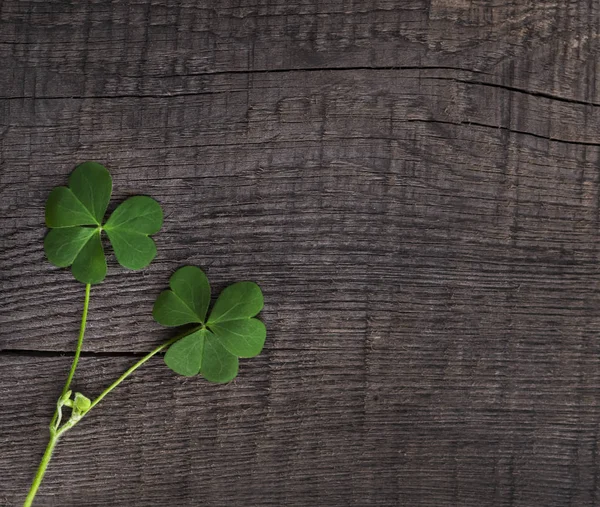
(414, 184)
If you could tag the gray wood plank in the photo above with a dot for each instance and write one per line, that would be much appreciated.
(413, 184)
(123, 48)
(432, 425)
(305, 181)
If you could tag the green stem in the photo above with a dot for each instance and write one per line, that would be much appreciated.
(41, 469)
(55, 433)
(134, 367)
(86, 305)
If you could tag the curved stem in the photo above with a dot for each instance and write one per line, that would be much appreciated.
(41, 469)
(86, 305)
(55, 432)
(54, 435)
(72, 422)
(135, 366)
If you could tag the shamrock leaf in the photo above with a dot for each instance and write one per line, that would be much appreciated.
(214, 344)
(75, 215)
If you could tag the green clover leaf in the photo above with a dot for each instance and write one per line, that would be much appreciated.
(213, 346)
(75, 214)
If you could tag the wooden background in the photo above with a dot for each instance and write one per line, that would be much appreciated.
(414, 184)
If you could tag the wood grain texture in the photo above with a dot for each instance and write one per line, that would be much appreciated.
(414, 185)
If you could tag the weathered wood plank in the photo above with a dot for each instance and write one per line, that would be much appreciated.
(305, 180)
(425, 427)
(97, 48)
(414, 185)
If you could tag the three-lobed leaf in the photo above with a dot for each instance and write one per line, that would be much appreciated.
(75, 215)
(231, 330)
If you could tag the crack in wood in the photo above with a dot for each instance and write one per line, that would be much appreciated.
(67, 353)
